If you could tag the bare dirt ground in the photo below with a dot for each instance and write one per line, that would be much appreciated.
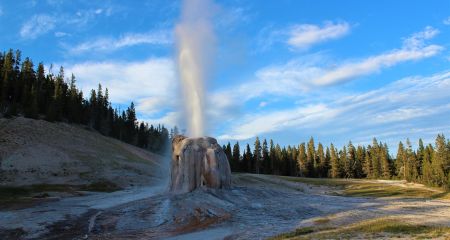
(257, 207)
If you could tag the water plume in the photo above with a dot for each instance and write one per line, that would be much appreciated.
(195, 48)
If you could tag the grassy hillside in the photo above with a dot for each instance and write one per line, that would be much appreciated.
(36, 152)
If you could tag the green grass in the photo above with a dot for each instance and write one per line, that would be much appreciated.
(384, 190)
(322, 221)
(297, 232)
(370, 229)
(364, 188)
(331, 182)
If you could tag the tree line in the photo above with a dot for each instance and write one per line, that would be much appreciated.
(428, 164)
(33, 93)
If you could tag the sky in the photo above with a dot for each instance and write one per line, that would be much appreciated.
(285, 69)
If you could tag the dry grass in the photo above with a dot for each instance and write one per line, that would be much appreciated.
(371, 229)
(367, 188)
(24, 196)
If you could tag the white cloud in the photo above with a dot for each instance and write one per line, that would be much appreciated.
(359, 116)
(414, 48)
(303, 36)
(37, 25)
(61, 34)
(151, 84)
(312, 71)
(254, 125)
(41, 24)
(374, 64)
(127, 40)
(446, 21)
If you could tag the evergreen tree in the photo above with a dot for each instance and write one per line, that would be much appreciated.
(265, 158)
(400, 161)
(236, 158)
(320, 159)
(302, 161)
(311, 163)
(334, 162)
(257, 156)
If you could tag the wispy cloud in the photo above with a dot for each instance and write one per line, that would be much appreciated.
(303, 36)
(37, 25)
(41, 24)
(414, 48)
(126, 40)
(316, 70)
(374, 110)
(446, 21)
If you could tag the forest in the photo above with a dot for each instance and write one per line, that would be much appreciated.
(427, 164)
(34, 93)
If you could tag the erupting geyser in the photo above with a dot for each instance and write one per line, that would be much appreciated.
(198, 162)
(195, 45)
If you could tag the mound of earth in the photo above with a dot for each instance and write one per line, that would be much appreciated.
(39, 152)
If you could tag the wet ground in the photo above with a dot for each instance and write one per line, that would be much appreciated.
(257, 207)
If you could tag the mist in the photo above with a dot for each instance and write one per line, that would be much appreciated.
(195, 41)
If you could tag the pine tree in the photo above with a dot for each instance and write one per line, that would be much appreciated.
(360, 157)
(311, 163)
(438, 162)
(385, 162)
(427, 167)
(400, 161)
(410, 163)
(349, 165)
(334, 162)
(257, 156)
(375, 158)
(327, 162)
(272, 157)
(236, 158)
(302, 161)
(367, 167)
(265, 158)
(343, 161)
(320, 159)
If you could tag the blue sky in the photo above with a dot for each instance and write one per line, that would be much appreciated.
(285, 69)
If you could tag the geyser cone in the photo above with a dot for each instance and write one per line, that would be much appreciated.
(198, 162)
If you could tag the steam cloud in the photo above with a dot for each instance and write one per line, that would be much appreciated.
(195, 43)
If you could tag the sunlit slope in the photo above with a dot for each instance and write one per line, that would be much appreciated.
(40, 152)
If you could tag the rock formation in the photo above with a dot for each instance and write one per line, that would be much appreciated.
(198, 162)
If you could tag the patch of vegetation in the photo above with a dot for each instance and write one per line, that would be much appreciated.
(385, 190)
(322, 220)
(382, 227)
(101, 186)
(364, 188)
(297, 232)
(9, 193)
(331, 182)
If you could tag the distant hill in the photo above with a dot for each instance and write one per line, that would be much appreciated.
(41, 152)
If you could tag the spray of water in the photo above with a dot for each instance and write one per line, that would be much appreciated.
(195, 48)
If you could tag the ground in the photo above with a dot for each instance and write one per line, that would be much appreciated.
(257, 207)
(37, 153)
